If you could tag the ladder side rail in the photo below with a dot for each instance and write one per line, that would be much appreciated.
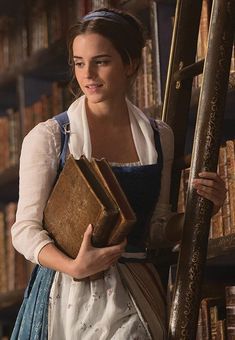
(177, 97)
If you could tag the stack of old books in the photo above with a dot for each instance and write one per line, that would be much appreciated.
(87, 193)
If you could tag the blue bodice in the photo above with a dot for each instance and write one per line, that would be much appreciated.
(141, 185)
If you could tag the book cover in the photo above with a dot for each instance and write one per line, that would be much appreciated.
(78, 199)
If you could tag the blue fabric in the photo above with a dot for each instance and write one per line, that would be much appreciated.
(142, 187)
(32, 321)
(63, 121)
(115, 17)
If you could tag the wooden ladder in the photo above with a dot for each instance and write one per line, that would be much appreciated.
(182, 68)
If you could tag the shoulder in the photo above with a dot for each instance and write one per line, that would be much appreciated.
(45, 135)
(47, 129)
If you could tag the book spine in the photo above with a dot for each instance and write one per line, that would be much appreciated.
(205, 320)
(230, 311)
(101, 231)
(220, 330)
(230, 150)
(223, 171)
(120, 231)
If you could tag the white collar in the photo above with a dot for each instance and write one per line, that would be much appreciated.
(142, 132)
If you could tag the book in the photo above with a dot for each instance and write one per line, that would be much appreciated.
(126, 217)
(209, 316)
(220, 330)
(80, 198)
(230, 151)
(230, 311)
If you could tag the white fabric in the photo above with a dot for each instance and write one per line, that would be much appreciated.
(84, 319)
(97, 310)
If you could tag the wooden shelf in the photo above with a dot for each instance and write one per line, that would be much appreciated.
(49, 63)
(9, 179)
(221, 251)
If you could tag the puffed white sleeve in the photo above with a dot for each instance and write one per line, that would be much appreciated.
(38, 170)
(162, 212)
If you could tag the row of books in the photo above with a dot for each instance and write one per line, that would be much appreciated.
(144, 91)
(38, 25)
(14, 269)
(13, 127)
(216, 320)
(203, 39)
(223, 223)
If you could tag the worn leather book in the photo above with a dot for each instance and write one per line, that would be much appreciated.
(126, 217)
(79, 198)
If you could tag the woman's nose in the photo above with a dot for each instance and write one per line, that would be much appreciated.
(89, 70)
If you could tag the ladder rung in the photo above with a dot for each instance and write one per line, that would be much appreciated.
(189, 71)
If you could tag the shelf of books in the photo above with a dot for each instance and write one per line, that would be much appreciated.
(216, 312)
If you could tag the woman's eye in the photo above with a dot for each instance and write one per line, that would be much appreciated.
(102, 62)
(78, 63)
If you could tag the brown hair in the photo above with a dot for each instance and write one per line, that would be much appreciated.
(125, 32)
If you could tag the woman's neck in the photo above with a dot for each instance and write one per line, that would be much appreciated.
(110, 112)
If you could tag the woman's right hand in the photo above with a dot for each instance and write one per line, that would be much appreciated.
(91, 260)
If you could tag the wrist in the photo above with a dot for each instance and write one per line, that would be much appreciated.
(77, 270)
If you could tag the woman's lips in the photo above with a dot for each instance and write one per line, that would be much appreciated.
(93, 87)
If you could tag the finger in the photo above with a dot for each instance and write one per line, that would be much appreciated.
(211, 195)
(116, 248)
(219, 186)
(87, 237)
(107, 253)
(206, 185)
(213, 176)
(208, 174)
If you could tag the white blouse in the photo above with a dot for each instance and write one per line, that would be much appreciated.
(38, 168)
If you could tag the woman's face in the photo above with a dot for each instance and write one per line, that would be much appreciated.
(99, 68)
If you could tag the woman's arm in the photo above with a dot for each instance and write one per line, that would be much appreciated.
(166, 227)
(38, 170)
(90, 260)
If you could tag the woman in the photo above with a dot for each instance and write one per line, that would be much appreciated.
(105, 50)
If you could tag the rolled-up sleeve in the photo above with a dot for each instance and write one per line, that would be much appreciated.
(38, 170)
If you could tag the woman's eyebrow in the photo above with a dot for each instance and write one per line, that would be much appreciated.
(95, 57)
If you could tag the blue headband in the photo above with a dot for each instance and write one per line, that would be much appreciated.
(106, 15)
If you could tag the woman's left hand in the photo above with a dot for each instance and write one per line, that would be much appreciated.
(211, 186)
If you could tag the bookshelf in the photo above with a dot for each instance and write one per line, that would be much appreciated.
(33, 88)
(42, 67)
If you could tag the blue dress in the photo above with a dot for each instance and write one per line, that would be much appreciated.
(141, 184)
